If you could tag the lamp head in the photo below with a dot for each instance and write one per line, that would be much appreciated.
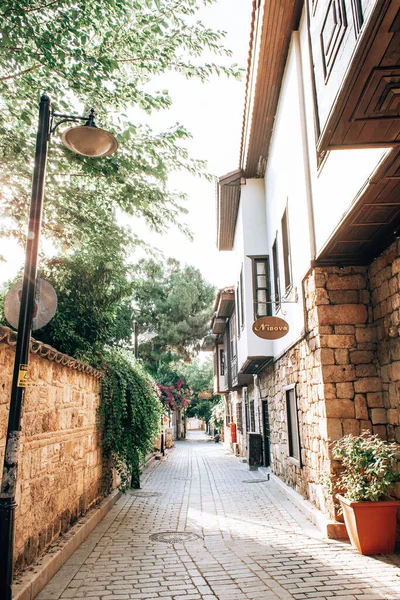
(89, 140)
(148, 335)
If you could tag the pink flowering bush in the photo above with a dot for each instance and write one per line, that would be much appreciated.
(175, 395)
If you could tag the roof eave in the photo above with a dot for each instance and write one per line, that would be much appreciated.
(228, 199)
(272, 25)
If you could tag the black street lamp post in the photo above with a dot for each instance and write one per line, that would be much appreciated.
(89, 141)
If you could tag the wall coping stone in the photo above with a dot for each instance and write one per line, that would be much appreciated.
(9, 336)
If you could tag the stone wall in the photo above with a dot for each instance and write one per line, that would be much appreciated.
(300, 366)
(60, 466)
(346, 370)
(347, 336)
(384, 280)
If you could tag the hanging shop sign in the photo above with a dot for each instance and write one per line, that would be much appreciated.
(270, 328)
(205, 396)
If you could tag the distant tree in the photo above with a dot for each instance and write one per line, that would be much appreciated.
(175, 302)
(199, 376)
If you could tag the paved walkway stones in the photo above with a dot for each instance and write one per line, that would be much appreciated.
(252, 543)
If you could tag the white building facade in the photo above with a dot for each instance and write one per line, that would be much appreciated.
(312, 215)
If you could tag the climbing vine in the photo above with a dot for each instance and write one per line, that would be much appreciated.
(129, 413)
(175, 395)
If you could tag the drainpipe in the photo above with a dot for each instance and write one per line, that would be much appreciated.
(306, 154)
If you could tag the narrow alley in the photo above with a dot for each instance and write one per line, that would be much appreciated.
(203, 527)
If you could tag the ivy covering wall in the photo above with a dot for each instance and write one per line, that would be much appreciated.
(129, 414)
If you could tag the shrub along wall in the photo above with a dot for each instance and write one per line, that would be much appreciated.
(60, 466)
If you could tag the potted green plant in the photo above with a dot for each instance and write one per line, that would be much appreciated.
(366, 478)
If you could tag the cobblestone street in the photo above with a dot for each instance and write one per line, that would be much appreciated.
(252, 542)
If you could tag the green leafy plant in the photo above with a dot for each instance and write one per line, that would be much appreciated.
(368, 467)
(104, 54)
(129, 414)
(200, 377)
(176, 302)
(218, 411)
(91, 288)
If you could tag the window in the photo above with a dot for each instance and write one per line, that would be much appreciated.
(241, 298)
(261, 289)
(293, 425)
(358, 17)
(252, 419)
(277, 287)
(232, 335)
(237, 309)
(287, 261)
(221, 362)
(228, 413)
(246, 409)
(239, 418)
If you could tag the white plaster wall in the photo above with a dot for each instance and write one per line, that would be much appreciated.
(343, 173)
(285, 186)
(333, 187)
(250, 240)
(263, 202)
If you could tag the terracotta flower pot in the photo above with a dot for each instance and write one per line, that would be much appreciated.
(371, 525)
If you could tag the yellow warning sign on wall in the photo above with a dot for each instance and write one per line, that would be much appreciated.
(22, 376)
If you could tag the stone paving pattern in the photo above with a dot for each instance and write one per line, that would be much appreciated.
(254, 543)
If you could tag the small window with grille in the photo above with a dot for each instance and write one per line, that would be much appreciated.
(293, 425)
(221, 362)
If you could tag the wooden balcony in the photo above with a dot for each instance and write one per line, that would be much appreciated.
(356, 57)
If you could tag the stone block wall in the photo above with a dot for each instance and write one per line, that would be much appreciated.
(60, 465)
(346, 369)
(301, 365)
(384, 280)
(347, 338)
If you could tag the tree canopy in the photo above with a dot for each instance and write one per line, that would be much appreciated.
(91, 289)
(199, 376)
(176, 303)
(100, 54)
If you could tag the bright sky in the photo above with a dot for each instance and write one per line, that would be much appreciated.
(212, 112)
